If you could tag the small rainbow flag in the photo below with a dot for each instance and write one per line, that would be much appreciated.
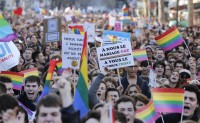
(170, 39)
(111, 114)
(147, 113)
(6, 32)
(17, 78)
(168, 99)
(125, 11)
(112, 38)
(140, 54)
(51, 69)
(59, 66)
(78, 29)
(81, 94)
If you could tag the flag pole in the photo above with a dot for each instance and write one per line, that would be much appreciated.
(187, 48)
(120, 83)
(183, 107)
(162, 118)
(74, 73)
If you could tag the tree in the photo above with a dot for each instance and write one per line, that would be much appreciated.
(161, 15)
(190, 13)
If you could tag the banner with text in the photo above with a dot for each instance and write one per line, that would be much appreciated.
(9, 55)
(71, 50)
(115, 56)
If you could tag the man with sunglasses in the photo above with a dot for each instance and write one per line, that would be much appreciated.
(132, 77)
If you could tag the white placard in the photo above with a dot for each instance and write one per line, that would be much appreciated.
(52, 25)
(9, 55)
(115, 56)
(89, 27)
(71, 50)
(112, 20)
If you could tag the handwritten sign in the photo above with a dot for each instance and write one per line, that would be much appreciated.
(115, 56)
(9, 55)
(71, 50)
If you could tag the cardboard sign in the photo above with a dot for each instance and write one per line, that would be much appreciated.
(115, 56)
(121, 37)
(9, 55)
(118, 26)
(52, 30)
(89, 27)
(71, 50)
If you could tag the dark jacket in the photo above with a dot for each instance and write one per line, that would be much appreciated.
(93, 100)
(176, 118)
(28, 103)
(140, 82)
(69, 115)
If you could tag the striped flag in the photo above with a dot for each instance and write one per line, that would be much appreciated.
(147, 113)
(17, 78)
(59, 67)
(51, 69)
(6, 32)
(168, 99)
(81, 94)
(170, 39)
(140, 54)
(78, 29)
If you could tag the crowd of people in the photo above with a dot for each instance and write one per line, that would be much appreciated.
(177, 68)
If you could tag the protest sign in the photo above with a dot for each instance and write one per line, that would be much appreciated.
(115, 56)
(120, 37)
(118, 26)
(71, 50)
(9, 55)
(111, 20)
(89, 27)
(52, 30)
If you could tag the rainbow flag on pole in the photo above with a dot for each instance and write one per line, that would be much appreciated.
(51, 69)
(81, 94)
(147, 113)
(29, 72)
(6, 32)
(78, 29)
(168, 99)
(59, 67)
(140, 54)
(170, 39)
(17, 79)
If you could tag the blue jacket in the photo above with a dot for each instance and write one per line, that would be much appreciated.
(140, 82)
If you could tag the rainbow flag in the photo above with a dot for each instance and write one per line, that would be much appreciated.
(6, 32)
(81, 94)
(147, 113)
(168, 99)
(29, 72)
(125, 11)
(112, 38)
(51, 69)
(77, 29)
(140, 54)
(17, 78)
(59, 67)
(170, 39)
